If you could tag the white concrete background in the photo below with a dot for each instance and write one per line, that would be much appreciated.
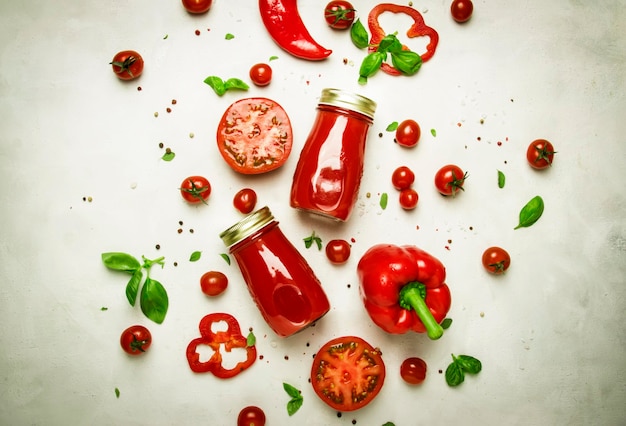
(550, 333)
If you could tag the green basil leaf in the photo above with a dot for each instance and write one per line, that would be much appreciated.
(154, 300)
(359, 35)
(389, 424)
(168, 156)
(225, 257)
(454, 374)
(229, 36)
(250, 339)
(294, 405)
(235, 83)
(407, 62)
(392, 127)
(132, 288)
(217, 84)
(469, 364)
(120, 262)
(195, 256)
(291, 390)
(433, 132)
(446, 323)
(501, 179)
(370, 65)
(389, 43)
(384, 198)
(117, 393)
(531, 212)
(273, 58)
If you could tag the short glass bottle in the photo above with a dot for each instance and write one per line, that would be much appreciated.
(281, 282)
(330, 167)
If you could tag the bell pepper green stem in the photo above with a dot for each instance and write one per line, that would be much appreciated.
(412, 296)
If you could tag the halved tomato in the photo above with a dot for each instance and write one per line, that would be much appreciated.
(347, 373)
(254, 136)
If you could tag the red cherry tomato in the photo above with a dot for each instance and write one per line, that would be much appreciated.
(496, 260)
(197, 6)
(339, 14)
(251, 416)
(402, 178)
(540, 154)
(213, 283)
(413, 370)
(261, 74)
(195, 189)
(135, 340)
(254, 136)
(408, 199)
(347, 373)
(450, 179)
(461, 10)
(338, 251)
(408, 133)
(245, 200)
(127, 65)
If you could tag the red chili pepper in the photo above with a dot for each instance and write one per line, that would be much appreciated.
(403, 288)
(283, 22)
(231, 338)
(419, 28)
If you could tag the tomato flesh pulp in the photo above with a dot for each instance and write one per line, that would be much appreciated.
(347, 373)
(254, 136)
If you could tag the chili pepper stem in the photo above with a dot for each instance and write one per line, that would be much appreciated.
(411, 297)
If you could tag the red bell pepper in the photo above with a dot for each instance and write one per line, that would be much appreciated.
(231, 338)
(284, 24)
(403, 288)
(419, 28)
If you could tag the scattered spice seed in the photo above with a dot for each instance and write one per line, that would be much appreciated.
(191, 135)
(197, 32)
(158, 246)
(180, 222)
(156, 114)
(168, 110)
(175, 263)
(139, 88)
(161, 145)
(180, 230)
(174, 101)
(191, 230)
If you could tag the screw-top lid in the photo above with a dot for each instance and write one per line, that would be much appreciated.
(348, 100)
(247, 226)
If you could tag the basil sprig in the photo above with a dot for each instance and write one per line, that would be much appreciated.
(153, 298)
(220, 86)
(531, 212)
(296, 400)
(405, 61)
(460, 365)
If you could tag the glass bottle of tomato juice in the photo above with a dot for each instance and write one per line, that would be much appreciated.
(329, 170)
(281, 282)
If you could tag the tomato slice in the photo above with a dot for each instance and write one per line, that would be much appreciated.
(347, 373)
(255, 136)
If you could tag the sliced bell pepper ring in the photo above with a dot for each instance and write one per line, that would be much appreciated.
(418, 29)
(403, 288)
(231, 338)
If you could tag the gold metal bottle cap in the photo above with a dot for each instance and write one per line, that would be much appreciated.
(247, 226)
(351, 101)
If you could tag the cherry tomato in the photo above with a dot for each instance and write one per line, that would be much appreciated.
(408, 199)
(413, 370)
(339, 14)
(402, 178)
(461, 10)
(408, 133)
(254, 136)
(347, 373)
(450, 179)
(127, 65)
(261, 74)
(195, 189)
(245, 200)
(213, 283)
(496, 260)
(197, 6)
(251, 416)
(540, 154)
(135, 340)
(338, 251)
